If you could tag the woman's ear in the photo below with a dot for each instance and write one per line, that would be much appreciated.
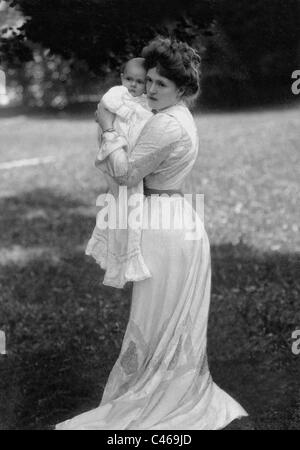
(180, 91)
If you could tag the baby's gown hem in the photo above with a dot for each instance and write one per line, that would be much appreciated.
(118, 273)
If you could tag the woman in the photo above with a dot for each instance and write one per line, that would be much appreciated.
(161, 379)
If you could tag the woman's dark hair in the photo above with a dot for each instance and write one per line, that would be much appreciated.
(176, 61)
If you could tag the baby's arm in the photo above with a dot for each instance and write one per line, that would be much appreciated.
(114, 102)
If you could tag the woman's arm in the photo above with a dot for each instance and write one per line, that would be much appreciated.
(155, 143)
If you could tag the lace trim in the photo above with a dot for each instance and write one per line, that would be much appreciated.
(120, 269)
(129, 360)
(139, 361)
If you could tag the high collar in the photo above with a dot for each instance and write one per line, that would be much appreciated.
(169, 108)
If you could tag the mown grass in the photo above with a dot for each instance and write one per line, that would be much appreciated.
(64, 328)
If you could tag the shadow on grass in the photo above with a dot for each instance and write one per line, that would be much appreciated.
(78, 111)
(64, 328)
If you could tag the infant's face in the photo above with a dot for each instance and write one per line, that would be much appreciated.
(134, 78)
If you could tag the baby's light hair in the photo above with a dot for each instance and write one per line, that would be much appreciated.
(138, 61)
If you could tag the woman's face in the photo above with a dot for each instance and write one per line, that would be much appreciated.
(161, 92)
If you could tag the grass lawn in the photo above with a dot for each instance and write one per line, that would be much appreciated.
(64, 328)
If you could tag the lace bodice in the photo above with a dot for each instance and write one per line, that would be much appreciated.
(164, 153)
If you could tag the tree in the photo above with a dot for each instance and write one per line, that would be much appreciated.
(249, 48)
(266, 37)
(100, 32)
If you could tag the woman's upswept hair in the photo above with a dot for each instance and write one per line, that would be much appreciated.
(177, 61)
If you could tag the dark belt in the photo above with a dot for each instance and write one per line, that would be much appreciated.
(150, 191)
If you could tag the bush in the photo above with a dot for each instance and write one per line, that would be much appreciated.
(249, 49)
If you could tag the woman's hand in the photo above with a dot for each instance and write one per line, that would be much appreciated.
(104, 117)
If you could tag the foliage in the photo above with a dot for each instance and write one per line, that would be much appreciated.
(96, 30)
(266, 39)
(50, 80)
(249, 49)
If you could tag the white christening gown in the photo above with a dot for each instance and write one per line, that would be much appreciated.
(161, 379)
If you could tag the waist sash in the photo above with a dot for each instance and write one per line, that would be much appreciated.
(149, 191)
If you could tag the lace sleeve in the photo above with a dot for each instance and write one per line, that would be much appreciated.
(155, 143)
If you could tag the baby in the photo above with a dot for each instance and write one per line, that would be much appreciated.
(129, 104)
(118, 250)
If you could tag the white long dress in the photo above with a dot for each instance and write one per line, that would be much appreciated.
(161, 380)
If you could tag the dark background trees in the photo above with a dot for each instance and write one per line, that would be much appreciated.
(249, 49)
